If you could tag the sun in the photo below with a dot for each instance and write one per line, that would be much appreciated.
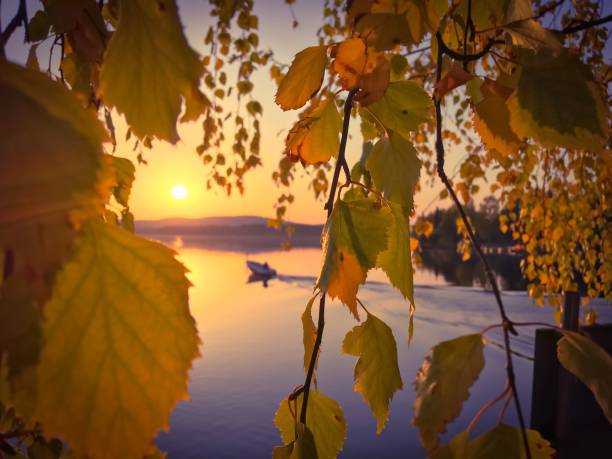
(180, 192)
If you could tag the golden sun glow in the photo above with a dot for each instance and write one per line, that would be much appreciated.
(180, 192)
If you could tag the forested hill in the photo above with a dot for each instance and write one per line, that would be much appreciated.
(240, 232)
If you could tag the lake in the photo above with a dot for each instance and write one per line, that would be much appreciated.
(252, 354)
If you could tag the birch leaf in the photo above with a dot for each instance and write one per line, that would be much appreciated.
(396, 260)
(403, 108)
(166, 68)
(118, 341)
(591, 364)
(309, 335)
(304, 78)
(325, 420)
(558, 103)
(314, 138)
(354, 235)
(394, 167)
(442, 385)
(377, 374)
(492, 122)
(52, 180)
(124, 173)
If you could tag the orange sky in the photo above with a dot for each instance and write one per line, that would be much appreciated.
(179, 164)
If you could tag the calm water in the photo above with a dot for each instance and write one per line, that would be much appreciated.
(252, 355)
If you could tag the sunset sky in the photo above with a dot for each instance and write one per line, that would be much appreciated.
(171, 165)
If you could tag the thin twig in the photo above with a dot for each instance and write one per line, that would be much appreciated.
(443, 47)
(20, 18)
(469, 27)
(587, 24)
(547, 9)
(340, 164)
(505, 405)
(508, 328)
(486, 408)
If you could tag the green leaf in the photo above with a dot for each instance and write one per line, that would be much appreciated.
(314, 138)
(118, 341)
(403, 108)
(377, 374)
(354, 235)
(394, 167)
(124, 173)
(325, 420)
(149, 67)
(590, 363)
(309, 335)
(442, 385)
(396, 260)
(303, 79)
(52, 180)
(384, 31)
(303, 447)
(558, 102)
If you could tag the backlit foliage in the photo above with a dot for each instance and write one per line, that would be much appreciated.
(95, 330)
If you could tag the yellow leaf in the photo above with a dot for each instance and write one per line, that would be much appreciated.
(303, 447)
(492, 122)
(354, 235)
(454, 78)
(309, 335)
(124, 173)
(325, 420)
(118, 341)
(529, 33)
(314, 138)
(591, 364)
(146, 74)
(53, 178)
(345, 284)
(353, 59)
(377, 375)
(304, 78)
(442, 385)
(396, 260)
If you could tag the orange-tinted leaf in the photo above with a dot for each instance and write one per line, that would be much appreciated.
(454, 78)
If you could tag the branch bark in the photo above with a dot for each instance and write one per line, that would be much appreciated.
(329, 205)
(508, 328)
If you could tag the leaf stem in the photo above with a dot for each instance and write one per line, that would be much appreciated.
(487, 407)
(508, 328)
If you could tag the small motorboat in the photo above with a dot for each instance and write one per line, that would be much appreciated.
(261, 269)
